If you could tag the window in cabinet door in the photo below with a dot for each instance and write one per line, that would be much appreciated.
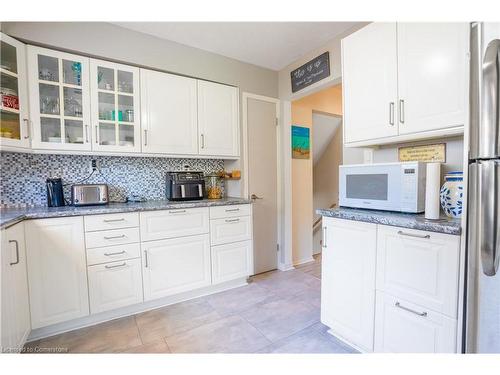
(61, 95)
(115, 87)
(14, 121)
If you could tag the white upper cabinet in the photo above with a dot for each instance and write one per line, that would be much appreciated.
(115, 107)
(404, 82)
(369, 75)
(59, 100)
(218, 119)
(169, 113)
(14, 121)
(433, 72)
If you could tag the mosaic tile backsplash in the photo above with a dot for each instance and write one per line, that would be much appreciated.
(23, 175)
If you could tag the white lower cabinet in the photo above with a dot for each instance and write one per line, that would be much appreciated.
(57, 270)
(175, 265)
(414, 275)
(348, 280)
(419, 266)
(231, 261)
(15, 314)
(404, 327)
(116, 284)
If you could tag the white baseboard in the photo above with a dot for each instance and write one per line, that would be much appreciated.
(285, 267)
(302, 261)
(94, 319)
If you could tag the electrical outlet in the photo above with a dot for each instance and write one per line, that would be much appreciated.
(94, 165)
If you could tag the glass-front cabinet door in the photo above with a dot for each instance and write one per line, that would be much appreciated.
(59, 92)
(14, 122)
(115, 107)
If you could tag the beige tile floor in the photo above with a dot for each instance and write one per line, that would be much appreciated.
(278, 312)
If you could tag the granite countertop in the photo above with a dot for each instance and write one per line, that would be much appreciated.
(11, 216)
(397, 219)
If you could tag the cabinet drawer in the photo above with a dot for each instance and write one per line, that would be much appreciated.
(421, 267)
(111, 237)
(157, 225)
(111, 221)
(230, 211)
(113, 253)
(114, 285)
(230, 230)
(231, 261)
(404, 327)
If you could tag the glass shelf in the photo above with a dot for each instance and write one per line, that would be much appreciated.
(50, 129)
(72, 72)
(72, 102)
(107, 134)
(9, 125)
(8, 57)
(48, 68)
(49, 99)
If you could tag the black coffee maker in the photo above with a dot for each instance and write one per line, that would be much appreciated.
(55, 195)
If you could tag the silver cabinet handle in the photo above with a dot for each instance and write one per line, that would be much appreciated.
(116, 266)
(146, 263)
(86, 133)
(324, 237)
(115, 237)
(203, 141)
(401, 233)
(397, 304)
(391, 113)
(232, 220)
(401, 111)
(253, 196)
(96, 134)
(117, 253)
(233, 210)
(27, 121)
(17, 252)
(145, 137)
(177, 212)
(113, 220)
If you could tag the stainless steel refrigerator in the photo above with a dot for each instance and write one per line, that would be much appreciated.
(482, 302)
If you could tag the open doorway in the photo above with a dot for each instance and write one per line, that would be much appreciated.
(315, 178)
(326, 156)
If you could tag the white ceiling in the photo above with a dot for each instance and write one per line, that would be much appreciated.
(272, 45)
(324, 128)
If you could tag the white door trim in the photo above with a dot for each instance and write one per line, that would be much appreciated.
(279, 125)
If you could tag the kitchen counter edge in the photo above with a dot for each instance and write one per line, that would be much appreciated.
(444, 225)
(12, 216)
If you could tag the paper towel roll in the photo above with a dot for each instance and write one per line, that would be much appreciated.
(432, 188)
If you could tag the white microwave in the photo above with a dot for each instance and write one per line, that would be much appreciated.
(388, 186)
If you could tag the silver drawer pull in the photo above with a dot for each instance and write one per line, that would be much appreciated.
(401, 233)
(114, 237)
(117, 253)
(177, 212)
(17, 252)
(397, 304)
(233, 210)
(113, 220)
(116, 266)
(232, 220)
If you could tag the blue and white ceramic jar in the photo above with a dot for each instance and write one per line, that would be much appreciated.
(452, 193)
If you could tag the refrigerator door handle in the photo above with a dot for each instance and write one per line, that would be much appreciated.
(488, 211)
(475, 89)
(490, 117)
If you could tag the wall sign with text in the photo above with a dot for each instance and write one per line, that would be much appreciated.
(311, 72)
(427, 153)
